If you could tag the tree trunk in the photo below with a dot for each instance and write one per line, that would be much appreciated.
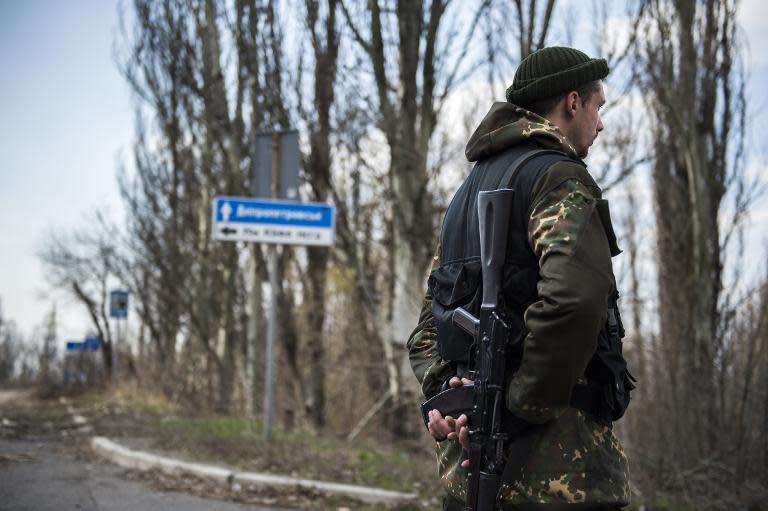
(325, 46)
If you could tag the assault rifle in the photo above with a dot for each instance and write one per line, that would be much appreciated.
(485, 399)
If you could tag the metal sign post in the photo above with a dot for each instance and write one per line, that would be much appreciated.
(272, 324)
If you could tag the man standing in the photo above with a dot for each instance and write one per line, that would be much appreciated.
(568, 379)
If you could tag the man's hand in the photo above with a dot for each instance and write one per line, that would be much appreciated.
(442, 428)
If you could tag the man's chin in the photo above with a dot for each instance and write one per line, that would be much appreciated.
(582, 153)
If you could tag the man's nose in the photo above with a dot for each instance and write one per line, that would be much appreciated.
(599, 124)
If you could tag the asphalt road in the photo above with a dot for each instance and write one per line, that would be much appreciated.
(45, 475)
(43, 467)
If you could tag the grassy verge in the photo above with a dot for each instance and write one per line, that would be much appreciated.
(241, 443)
(128, 400)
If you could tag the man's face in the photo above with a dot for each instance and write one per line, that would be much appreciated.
(587, 122)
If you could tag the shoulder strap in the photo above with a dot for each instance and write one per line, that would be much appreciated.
(523, 159)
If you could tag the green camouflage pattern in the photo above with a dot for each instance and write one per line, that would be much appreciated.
(427, 364)
(573, 459)
(507, 125)
(556, 223)
(563, 468)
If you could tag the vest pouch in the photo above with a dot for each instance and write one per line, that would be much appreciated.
(608, 369)
(452, 285)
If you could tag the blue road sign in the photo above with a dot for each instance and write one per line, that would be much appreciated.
(118, 304)
(273, 221)
(92, 343)
(89, 344)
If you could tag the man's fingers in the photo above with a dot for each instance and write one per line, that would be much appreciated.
(433, 426)
(464, 437)
(437, 435)
(435, 416)
(447, 427)
(440, 427)
(458, 382)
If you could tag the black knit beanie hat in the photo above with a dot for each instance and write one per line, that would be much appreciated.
(551, 71)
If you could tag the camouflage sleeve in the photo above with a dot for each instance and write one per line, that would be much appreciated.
(567, 237)
(430, 369)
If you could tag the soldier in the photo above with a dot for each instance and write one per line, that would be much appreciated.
(568, 379)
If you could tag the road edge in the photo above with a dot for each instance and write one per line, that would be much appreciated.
(144, 461)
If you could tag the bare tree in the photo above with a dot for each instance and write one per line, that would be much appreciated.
(688, 67)
(10, 348)
(83, 264)
(414, 61)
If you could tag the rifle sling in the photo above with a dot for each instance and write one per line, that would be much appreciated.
(522, 160)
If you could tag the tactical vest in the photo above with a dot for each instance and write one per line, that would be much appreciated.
(457, 282)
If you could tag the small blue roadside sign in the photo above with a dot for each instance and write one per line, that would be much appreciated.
(273, 221)
(92, 343)
(118, 304)
(89, 344)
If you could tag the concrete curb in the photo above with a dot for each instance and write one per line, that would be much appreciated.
(139, 460)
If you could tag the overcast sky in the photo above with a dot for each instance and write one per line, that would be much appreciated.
(65, 117)
(66, 121)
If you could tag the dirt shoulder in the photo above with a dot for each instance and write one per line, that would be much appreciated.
(9, 397)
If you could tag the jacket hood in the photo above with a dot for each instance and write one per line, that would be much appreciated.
(507, 125)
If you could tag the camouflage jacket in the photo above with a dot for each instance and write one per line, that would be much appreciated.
(574, 461)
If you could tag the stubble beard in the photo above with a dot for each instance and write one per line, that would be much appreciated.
(583, 153)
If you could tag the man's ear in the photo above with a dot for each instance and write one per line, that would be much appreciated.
(572, 103)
